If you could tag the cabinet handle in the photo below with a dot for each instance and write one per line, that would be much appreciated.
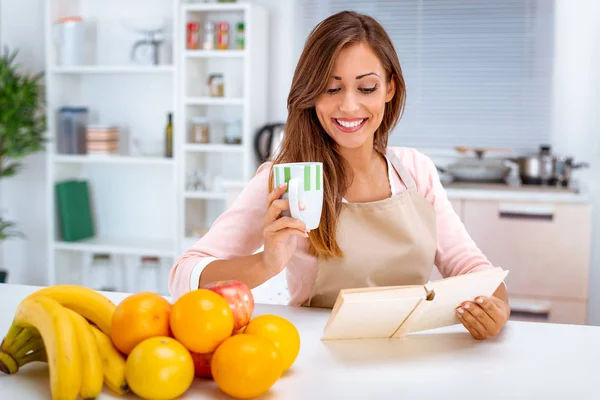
(544, 315)
(539, 217)
(527, 212)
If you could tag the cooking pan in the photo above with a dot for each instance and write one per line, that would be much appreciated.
(477, 169)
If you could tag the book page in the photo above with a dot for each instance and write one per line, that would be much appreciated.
(449, 293)
(368, 317)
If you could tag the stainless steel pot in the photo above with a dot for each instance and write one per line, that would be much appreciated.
(564, 169)
(545, 168)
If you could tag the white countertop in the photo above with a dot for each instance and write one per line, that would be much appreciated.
(526, 361)
(527, 193)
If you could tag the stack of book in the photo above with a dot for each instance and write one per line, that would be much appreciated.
(102, 139)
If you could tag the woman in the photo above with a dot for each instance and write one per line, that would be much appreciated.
(386, 219)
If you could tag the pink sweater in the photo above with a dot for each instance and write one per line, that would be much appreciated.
(238, 232)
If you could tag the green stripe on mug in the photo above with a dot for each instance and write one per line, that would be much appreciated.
(286, 175)
(307, 178)
(277, 180)
(318, 185)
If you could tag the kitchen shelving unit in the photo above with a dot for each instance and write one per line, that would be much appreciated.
(245, 80)
(140, 203)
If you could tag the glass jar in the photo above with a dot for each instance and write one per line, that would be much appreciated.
(209, 36)
(216, 85)
(192, 35)
(200, 132)
(149, 275)
(233, 132)
(240, 36)
(222, 35)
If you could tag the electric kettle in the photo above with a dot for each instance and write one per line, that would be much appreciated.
(267, 141)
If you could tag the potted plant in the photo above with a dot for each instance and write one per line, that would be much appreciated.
(22, 125)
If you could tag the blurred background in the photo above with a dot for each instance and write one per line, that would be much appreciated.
(150, 116)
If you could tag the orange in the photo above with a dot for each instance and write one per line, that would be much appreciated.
(159, 368)
(139, 316)
(281, 332)
(245, 366)
(201, 320)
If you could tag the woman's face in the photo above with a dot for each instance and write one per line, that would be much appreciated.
(352, 107)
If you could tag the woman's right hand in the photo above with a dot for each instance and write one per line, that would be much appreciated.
(279, 232)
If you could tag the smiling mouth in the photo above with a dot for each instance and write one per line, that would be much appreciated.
(349, 125)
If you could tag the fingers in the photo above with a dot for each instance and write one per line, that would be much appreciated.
(287, 223)
(473, 325)
(491, 309)
(490, 326)
(277, 206)
(276, 193)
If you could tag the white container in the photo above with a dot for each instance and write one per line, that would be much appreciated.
(70, 37)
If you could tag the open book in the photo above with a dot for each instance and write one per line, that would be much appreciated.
(394, 311)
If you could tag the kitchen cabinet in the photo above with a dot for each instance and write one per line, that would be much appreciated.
(546, 247)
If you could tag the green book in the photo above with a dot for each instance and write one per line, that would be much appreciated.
(74, 210)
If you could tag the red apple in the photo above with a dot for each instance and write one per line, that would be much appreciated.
(240, 300)
(202, 364)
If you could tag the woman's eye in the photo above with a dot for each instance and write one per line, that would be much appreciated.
(333, 91)
(368, 90)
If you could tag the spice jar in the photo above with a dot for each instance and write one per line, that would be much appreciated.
(192, 35)
(239, 39)
(200, 132)
(233, 132)
(209, 36)
(222, 35)
(216, 86)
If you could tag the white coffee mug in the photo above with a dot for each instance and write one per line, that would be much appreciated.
(305, 184)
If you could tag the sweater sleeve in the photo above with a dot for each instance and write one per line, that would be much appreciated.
(235, 233)
(457, 253)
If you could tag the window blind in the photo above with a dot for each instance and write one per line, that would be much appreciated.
(478, 72)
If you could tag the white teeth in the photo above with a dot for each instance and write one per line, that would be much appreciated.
(350, 124)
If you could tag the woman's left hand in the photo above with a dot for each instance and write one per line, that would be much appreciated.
(483, 317)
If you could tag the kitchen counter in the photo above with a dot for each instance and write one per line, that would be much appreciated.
(507, 192)
(526, 361)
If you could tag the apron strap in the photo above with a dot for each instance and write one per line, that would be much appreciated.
(404, 174)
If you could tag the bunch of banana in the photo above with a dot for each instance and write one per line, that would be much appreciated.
(68, 327)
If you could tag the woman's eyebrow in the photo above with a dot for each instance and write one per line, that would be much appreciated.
(337, 78)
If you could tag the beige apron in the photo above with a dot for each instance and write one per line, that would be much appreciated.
(385, 243)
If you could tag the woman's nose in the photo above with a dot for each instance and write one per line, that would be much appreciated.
(349, 104)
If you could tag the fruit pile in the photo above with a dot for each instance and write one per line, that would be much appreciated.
(148, 346)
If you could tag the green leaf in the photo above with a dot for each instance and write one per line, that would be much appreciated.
(10, 170)
(22, 114)
(7, 231)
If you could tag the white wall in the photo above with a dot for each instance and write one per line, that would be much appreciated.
(577, 124)
(22, 197)
(576, 116)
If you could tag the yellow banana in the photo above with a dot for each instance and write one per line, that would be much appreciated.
(58, 333)
(14, 334)
(91, 362)
(8, 364)
(91, 304)
(36, 355)
(35, 343)
(20, 351)
(113, 363)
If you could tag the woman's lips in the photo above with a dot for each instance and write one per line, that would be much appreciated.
(349, 125)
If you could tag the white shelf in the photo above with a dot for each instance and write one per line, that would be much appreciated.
(214, 101)
(205, 195)
(114, 69)
(111, 159)
(216, 7)
(215, 53)
(130, 246)
(214, 148)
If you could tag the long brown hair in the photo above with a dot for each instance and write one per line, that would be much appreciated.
(305, 139)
